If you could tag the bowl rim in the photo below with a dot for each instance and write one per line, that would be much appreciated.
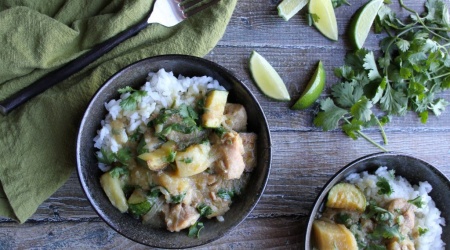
(217, 68)
(324, 190)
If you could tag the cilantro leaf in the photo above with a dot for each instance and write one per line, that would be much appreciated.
(418, 202)
(387, 232)
(371, 65)
(384, 187)
(130, 103)
(422, 230)
(204, 210)
(329, 118)
(225, 194)
(124, 155)
(118, 171)
(106, 156)
(194, 230)
(361, 110)
(177, 198)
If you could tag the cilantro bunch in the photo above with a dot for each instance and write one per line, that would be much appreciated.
(407, 74)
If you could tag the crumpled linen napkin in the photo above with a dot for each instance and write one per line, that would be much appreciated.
(37, 140)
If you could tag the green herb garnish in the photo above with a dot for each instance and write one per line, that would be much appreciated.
(107, 157)
(204, 210)
(130, 103)
(384, 187)
(140, 208)
(194, 230)
(177, 198)
(118, 171)
(225, 194)
(422, 231)
(418, 202)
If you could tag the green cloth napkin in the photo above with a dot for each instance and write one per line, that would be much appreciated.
(37, 141)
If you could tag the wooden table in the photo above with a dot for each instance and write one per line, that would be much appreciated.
(304, 157)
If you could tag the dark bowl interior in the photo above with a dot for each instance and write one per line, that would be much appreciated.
(413, 169)
(135, 75)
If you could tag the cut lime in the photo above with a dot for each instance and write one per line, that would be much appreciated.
(313, 89)
(362, 21)
(288, 8)
(322, 13)
(267, 79)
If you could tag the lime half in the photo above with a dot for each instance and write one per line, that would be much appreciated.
(362, 21)
(288, 8)
(313, 89)
(322, 13)
(267, 79)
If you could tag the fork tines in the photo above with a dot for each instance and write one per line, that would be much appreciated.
(191, 7)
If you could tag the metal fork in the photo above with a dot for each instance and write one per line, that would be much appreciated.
(164, 12)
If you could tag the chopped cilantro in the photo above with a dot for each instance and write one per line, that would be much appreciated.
(177, 198)
(118, 171)
(220, 131)
(422, 231)
(124, 155)
(343, 218)
(136, 136)
(187, 160)
(418, 202)
(384, 187)
(130, 103)
(140, 208)
(107, 157)
(386, 231)
(204, 210)
(225, 194)
(171, 156)
(194, 230)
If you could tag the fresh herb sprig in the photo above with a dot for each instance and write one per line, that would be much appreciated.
(131, 102)
(414, 66)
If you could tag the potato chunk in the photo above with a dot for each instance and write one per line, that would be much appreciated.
(113, 190)
(193, 160)
(328, 235)
(214, 107)
(174, 184)
(161, 157)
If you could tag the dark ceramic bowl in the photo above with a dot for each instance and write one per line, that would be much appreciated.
(413, 169)
(89, 174)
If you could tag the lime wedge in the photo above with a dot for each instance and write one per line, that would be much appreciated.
(362, 21)
(267, 79)
(322, 13)
(313, 89)
(288, 8)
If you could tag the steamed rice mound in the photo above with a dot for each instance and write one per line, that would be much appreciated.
(164, 90)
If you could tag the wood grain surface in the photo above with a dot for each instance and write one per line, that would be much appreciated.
(304, 157)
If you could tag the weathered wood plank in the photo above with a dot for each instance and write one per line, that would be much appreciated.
(251, 234)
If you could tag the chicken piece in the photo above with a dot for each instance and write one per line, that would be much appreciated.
(231, 161)
(404, 208)
(235, 117)
(180, 216)
(249, 142)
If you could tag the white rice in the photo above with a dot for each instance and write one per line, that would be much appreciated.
(163, 90)
(426, 217)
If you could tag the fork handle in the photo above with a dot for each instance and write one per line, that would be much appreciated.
(67, 70)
